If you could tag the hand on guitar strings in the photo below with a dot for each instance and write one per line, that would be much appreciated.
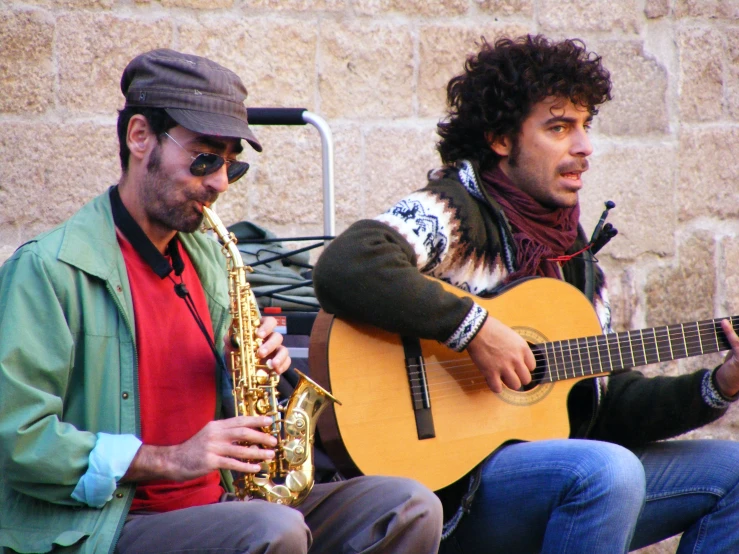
(727, 376)
(502, 355)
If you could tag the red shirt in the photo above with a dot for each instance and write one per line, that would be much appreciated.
(176, 372)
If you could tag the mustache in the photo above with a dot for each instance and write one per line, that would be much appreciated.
(207, 199)
(571, 167)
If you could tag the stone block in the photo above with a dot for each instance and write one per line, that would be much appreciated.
(350, 176)
(77, 162)
(588, 15)
(397, 161)
(284, 191)
(639, 104)
(729, 260)
(686, 282)
(700, 78)
(686, 289)
(91, 56)
(6, 252)
(640, 181)
(505, 8)
(9, 237)
(198, 4)
(75, 4)
(417, 8)
(276, 59)
(712, 9)
(707, 175)
(621, 292)
(655, 9)
(443, 50)
(365, 70)
(298, 5)
(732, 72)
(26, 65)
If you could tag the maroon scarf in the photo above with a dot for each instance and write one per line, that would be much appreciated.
(538, 232)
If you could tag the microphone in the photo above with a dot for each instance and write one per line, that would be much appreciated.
(599, 226)
(181, 290)
(603, 231)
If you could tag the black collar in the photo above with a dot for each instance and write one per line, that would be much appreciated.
(141, 243)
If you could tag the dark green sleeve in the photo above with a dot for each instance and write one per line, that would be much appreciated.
(637, 409)
(369, 274)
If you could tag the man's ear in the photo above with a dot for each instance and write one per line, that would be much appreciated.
(501, 145)
(139, 137)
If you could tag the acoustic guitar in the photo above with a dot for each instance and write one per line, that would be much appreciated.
(415, 408)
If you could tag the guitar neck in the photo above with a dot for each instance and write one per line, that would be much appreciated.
(568, 359)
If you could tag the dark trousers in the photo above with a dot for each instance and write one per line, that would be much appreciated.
(366, 514)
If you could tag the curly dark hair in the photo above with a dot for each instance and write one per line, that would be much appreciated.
(502, 83)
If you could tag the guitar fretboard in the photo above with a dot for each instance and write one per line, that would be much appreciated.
(585, 356)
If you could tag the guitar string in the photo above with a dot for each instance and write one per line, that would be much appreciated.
(602, 347)
(440, 383)
(556, 369)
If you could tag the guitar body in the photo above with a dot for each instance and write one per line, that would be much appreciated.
(374, 431)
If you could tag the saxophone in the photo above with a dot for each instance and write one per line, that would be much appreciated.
(288, 477)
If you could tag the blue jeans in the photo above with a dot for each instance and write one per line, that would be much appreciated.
(580, 496)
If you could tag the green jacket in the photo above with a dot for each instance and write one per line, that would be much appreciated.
(68, 369)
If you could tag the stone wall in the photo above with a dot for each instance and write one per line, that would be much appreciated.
(666, 146)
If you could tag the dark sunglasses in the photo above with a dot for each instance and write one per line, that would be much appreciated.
(206, 163)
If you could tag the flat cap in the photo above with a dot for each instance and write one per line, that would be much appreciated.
(196, 92)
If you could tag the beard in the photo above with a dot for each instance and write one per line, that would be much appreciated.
(169, 204)
(515, 152)
(533, 179)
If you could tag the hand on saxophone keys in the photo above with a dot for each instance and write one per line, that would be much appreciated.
(271, 352)
(221, 444)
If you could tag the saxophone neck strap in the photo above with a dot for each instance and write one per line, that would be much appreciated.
(141, 243)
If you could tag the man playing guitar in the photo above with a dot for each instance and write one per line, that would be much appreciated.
(503, 208)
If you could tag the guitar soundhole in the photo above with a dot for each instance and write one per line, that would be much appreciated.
(539, 372)
(535, 381)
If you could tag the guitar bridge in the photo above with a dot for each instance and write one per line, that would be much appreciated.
(420, 398)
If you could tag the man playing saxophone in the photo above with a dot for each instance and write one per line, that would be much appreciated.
(114, 326)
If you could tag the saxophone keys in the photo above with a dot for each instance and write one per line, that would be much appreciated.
(279, 494)
(296, 481)
(263, 475)
(295, 452)
(262, 377)
(296, 424)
